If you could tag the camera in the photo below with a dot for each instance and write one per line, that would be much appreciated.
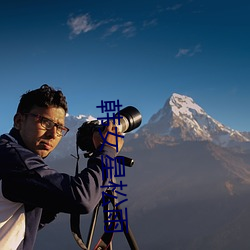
(126, 120)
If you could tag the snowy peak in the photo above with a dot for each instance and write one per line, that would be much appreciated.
(182, 119)
(181, 104)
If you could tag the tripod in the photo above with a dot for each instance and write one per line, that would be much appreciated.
(105, 242)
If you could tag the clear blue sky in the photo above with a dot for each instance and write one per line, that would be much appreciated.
(139, 52)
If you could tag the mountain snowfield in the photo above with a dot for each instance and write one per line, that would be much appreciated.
(182, 119)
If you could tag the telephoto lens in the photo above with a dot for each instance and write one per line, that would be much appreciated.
(127, 120)
(131, 119)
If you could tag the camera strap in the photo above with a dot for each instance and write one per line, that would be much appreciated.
(75, 218)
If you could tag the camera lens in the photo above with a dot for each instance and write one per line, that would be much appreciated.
(128, 119)
(131, 119)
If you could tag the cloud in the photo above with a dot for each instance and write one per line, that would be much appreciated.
(127, 29)
(174, 7)
(182, 52)
(189, 52)
(197, 49)
(150, 23)
(83, 24)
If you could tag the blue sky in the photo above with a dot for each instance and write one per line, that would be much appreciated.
(139, 52)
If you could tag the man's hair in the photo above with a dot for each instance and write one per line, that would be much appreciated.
(45, 97)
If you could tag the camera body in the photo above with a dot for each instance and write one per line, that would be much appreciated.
(129, 119)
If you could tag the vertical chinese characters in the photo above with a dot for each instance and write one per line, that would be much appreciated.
(116, 219)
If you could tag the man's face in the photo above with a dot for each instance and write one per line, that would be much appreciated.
(35, 137)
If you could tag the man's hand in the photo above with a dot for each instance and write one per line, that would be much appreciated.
(112, 140)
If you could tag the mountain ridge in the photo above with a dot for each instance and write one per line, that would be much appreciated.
(182, 119)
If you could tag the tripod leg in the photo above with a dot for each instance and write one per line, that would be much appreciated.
(106, 216)
(93, 224)
(105, 242)
(129, 235)
(107, 237)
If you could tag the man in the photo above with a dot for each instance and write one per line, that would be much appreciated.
(30, 192)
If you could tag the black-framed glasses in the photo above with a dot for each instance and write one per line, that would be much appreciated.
(49, 124)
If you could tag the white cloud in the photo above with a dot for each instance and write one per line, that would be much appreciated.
(189, 52)
(182, 52)
(127, 29)
(83, 24)
(174, 7)
(150, 23)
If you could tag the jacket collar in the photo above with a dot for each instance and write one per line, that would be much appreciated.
(16, 135)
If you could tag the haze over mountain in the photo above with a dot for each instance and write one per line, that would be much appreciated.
(189, 187)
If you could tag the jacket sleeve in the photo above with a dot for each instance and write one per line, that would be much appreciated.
(27, 179)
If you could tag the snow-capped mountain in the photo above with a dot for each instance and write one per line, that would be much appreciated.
(182, 119)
